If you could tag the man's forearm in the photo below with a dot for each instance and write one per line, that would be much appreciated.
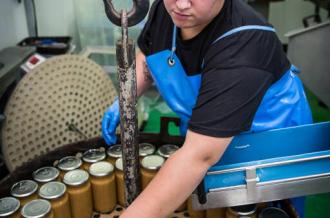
(176, 180)
(143, 77)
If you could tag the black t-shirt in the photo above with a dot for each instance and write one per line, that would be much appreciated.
(237, 69)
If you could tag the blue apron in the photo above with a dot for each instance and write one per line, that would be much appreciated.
(284, 103)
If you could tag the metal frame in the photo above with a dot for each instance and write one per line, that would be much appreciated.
(264, 192)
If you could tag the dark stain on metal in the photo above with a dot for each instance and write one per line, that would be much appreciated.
(125, 52)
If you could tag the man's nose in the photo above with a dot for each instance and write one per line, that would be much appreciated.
(183, 4)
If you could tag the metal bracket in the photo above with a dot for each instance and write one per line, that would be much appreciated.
(251, 182)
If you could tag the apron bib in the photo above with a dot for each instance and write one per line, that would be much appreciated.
(283, 105)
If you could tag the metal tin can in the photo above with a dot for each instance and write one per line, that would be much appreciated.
(37, 208)
(146, 149)
(68, 163)
(247, 211)
(25, 191)
(114, 152)
(80, 193)
(194, 213)
(216, 213)
(271, 212)
(167, 150)
(150, 166)
(103, 186)
(120, 182)
(9, 207)
(92, 156)
(46, 174)
(55, 193)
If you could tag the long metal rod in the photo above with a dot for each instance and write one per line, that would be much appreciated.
(125, 51)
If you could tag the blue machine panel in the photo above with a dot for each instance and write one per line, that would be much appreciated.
(278, 155)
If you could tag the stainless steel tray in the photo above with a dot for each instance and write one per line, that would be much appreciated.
(268, 166)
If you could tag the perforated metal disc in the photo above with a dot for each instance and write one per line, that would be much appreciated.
(62, 91)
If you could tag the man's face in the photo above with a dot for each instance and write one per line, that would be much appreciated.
(192, 13)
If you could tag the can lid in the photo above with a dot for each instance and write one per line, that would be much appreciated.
(24, 188)
(52, 190)
(45, 174)
(75, 177)
(101, 168)
(119, 164)
(152, 162)
(93, 155)
(69, 163)
(115, 151)
(244, 210)
(146, 149)
(273, 212)
(36, 209)
(8, 206)
(167, 150)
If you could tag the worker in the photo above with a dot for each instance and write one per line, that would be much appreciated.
(220, 66)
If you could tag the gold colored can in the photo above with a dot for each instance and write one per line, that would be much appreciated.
(68, 163)
(80, 193)
(114, 152)
(194, 213)
(167, 150)
(37, 208)
(92, 156)
(55, 193)
(120, 182)
(103, 186)
(46, 174)
(273, 212)
(25, 191)
(150, 166)
(216, 213)
(247, 211)
(9, 207)
(146, 149)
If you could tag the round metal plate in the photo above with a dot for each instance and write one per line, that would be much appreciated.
(62, 91)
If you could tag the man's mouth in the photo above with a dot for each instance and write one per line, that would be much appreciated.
(180, 16)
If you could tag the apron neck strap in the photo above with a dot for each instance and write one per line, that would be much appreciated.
(173, 41)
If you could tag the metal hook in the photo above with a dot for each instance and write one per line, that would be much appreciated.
(134, 16)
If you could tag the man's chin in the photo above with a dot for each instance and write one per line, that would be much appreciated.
(183, 25)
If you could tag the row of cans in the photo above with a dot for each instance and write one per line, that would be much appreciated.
(77, 186)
